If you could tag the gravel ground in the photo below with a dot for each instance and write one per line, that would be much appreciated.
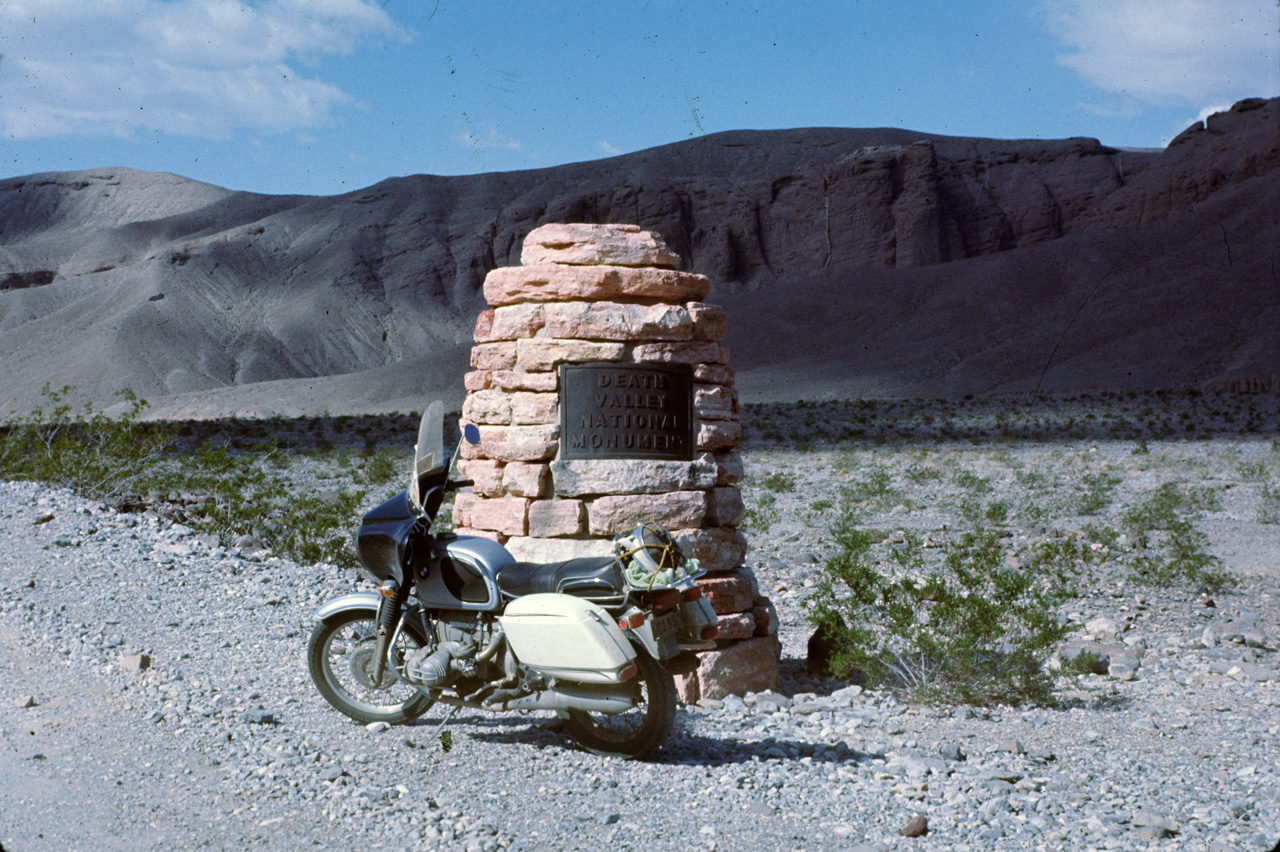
(221, 742)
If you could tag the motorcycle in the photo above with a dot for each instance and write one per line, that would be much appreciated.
(457, 621)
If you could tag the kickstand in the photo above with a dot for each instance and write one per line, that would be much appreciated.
(446, 740)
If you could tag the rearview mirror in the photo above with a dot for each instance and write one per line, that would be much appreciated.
(471, 434)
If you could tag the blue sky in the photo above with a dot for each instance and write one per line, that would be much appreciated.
(327, 96)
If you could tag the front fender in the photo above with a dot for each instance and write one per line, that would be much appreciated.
(348, 602)
(368, 602)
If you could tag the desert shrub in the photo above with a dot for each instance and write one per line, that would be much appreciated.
(1170, 549)
(920, 474)
(1095, 492)
(1251, 470)
(761, 514)
(212, 488)
(1269, 504)
(318, 527)
(102, 457)
(1103, 535)
(1031, 478)
(249, 493)
(874, 490)
(1062, 563)
(971, 482)
(382, 467)
(1034, 513)
(968, 628)
(1085, 663)
(779, 481)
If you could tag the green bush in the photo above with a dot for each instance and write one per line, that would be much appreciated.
(105, 458)
(970, 481)
(212, 489)
(1096, 491)
(968, 628)
(1085, 663)
(1252, 470)
(1169, 547)
(779, 481)
(920, 474)
(875, 490)
(758, 518)
(1269, 504)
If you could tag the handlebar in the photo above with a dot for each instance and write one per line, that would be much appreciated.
(459, 483)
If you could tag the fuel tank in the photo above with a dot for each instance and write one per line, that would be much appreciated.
(460, 572)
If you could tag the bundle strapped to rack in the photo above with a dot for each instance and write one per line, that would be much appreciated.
(651, 558)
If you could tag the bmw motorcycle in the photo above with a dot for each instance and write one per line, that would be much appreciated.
(457, 621)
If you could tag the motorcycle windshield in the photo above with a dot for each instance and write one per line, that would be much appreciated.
(428, 454)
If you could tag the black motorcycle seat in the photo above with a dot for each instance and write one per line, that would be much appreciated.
(588, 577)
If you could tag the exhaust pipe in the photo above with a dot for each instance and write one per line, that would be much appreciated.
(568, 697)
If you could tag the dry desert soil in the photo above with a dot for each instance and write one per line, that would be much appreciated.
(222, 743)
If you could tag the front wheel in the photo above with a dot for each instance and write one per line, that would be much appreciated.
(638, 731)
(341, 655)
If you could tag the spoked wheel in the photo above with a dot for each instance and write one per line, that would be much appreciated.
(638, 731)
(340, 656)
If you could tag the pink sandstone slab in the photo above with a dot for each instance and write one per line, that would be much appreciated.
(552, 282)
(592, 245)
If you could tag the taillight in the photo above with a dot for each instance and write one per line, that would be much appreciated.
(629, 672)
(631, 622)
(665, 600)
(692, 593)
(709, 632)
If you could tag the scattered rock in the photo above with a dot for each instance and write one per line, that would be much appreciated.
(917, 827)
(822, 645)
(250, 543)
(1153, 826)
(135, 662)
(1103, 628)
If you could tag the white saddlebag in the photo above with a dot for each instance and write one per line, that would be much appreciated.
(566, 637)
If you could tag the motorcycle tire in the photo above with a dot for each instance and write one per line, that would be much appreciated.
(639, 731)
(340, 657)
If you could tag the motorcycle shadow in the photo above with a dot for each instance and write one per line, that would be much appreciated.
(685, 747)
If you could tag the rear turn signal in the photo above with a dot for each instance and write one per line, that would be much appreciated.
(709, 632)
(629, 672)
(665, 600)
(691, 594)
(631, 622)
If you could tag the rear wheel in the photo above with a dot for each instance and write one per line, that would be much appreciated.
(340, 656)
(638, 731)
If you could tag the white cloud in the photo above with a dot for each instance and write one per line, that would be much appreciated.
(610, 149)
(188, 67)
(1128, 109)
(1171, 51)
(491, 139)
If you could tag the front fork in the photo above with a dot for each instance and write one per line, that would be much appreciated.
(390, 618)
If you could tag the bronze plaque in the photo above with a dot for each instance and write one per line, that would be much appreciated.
(626, 411)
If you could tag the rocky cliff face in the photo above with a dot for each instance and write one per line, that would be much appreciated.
(114, 278)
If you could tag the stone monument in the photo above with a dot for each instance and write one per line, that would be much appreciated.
(604, 398)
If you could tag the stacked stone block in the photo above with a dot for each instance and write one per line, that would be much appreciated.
(612, 294)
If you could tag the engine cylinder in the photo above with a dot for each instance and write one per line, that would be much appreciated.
(435, 669)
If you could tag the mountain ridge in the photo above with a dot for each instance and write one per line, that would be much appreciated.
(209, 301)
